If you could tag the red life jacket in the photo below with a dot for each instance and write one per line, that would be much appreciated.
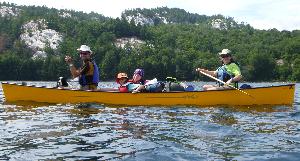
(123, 89)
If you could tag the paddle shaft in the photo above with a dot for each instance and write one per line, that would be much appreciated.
(212, 77)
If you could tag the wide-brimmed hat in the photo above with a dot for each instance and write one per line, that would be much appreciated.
(121, 75)
(139, 72)
(84, 48)
(225, 52)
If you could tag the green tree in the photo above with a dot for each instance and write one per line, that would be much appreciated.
(109, 65)
(261, 67)
(296, 69)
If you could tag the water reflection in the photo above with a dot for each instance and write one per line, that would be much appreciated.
(85, 110)
(223, 119)
(28, 104)
(98, 132)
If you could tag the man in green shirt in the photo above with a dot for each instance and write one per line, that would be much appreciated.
(229, 72)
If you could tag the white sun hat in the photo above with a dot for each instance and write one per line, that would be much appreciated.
(224, 52)
(84, 48)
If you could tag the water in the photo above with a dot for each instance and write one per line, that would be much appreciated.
(98, 132)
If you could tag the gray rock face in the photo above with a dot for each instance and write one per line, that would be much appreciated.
(37, 36)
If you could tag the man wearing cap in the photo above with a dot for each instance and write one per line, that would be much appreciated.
(229, 72)
(88, 73)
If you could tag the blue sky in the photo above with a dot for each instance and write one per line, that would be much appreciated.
(261, 14)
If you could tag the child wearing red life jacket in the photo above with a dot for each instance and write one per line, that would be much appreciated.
(125, 84)
(122, 79)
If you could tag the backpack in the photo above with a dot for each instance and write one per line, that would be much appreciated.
(245, 86)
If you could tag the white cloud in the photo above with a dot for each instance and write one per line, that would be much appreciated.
(261, 14)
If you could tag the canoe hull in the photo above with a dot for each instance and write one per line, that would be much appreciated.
(273, 95)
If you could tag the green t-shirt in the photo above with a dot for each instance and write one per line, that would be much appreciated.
(233, 69)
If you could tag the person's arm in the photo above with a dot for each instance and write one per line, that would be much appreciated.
(234, 79)
(212, 73)
(237, 72)
(141, 87)
(75, 73)
(85, 69)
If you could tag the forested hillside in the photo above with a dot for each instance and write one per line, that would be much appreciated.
(163, 41)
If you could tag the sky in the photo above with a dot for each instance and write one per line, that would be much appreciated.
(261, 14)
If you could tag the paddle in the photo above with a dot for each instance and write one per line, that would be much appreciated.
(225, 83)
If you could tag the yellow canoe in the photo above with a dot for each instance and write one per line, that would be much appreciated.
(271, 95)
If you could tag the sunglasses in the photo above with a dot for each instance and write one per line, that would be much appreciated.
(224, 56)
(84, 53)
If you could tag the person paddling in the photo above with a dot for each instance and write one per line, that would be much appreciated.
(88, 73)
(229, 72)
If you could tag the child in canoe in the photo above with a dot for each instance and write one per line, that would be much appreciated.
(138, 77)
(145, 85)
(125, 85)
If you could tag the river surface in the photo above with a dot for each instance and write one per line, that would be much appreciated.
(99, 132)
